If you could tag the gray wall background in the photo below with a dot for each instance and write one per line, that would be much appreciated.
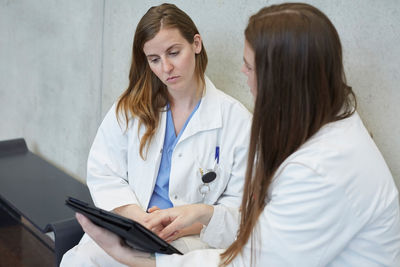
(63, 64)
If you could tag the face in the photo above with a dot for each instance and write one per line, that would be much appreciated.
(248, 68)
(172, 59)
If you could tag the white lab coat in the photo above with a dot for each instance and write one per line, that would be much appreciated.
(118, 176)
(332, 203)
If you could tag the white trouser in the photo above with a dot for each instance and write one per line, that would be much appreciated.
(88, 254)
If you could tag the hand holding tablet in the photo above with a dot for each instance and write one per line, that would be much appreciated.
(133, 233)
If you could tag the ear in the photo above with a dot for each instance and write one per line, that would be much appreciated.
(197, 45)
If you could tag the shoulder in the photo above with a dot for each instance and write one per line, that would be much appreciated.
(227, 103)
(343, 158)
(342, 144)
(117, 119)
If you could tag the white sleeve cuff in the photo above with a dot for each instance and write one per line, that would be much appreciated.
(222, 229)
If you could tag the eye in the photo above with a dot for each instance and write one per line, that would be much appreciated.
(248, 67)
(174, 53)
(154, 60)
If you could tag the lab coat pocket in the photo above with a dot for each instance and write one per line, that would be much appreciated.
(206, 175)
(218, 186)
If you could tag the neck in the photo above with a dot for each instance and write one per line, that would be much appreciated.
(182, 106)
(184, 100)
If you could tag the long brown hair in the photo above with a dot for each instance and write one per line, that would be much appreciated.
(146, 96)
(301, 86)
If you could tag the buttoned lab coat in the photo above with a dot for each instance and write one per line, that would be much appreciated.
(332, 203)
(118, 176)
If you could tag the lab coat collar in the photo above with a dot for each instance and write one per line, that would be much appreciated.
(208, 116)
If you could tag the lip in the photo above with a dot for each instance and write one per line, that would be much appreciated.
(172, 78)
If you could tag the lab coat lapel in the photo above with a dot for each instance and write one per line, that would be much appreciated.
(152, 162)
(208, 116)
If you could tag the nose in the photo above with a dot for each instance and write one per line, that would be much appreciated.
(167, 66)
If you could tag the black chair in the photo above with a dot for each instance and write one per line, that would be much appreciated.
(35, 190)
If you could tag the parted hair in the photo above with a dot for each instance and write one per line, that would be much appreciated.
(146, 96)
(301, 86)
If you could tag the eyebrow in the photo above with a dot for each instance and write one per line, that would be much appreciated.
(168, 49)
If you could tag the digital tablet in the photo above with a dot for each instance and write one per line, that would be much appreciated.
(135, 235)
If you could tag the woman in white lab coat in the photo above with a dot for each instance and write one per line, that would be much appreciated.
(168, 129)
(317, 191)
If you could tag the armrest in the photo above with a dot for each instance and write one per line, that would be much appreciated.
(67, 234)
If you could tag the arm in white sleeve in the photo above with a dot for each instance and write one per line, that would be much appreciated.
(222, 229)
(107, 171)
(307, 221)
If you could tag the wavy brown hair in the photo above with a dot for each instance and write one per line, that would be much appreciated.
(146, 96)
(301, 86)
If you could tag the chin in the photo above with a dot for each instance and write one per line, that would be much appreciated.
(174, 87)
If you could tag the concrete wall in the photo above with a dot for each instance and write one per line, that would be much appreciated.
(63, 64)
(50, 77)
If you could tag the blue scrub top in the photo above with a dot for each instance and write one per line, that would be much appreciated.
(160, 196)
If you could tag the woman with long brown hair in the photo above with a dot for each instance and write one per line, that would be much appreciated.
(317, 190)
(169, 129)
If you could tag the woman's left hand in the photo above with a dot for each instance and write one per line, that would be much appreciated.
(179, 221)
(193, 229)
(114, 245)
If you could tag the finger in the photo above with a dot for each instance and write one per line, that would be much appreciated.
(170, 229)
(90, 228)
(152, 209)
(83, 221)
(100, 235)
(157, 229)
(173, 237)
(157, 219)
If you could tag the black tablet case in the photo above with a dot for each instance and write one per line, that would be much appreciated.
(134, 234)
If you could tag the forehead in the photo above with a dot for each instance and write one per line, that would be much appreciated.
(248, 53)
(163, 40)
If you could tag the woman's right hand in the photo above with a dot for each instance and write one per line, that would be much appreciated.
(174, 220)
(114, 246)
(132, 211)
